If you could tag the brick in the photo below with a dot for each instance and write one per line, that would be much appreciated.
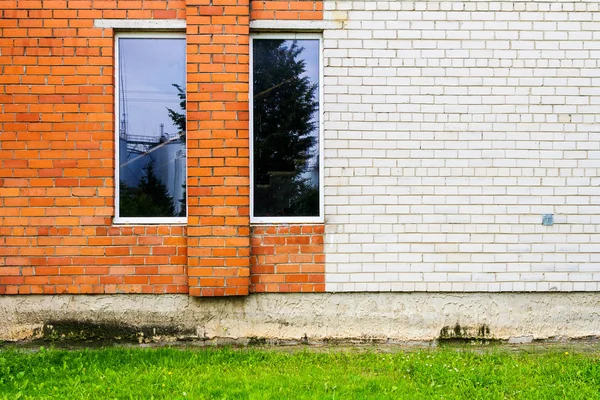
(408, 197)
(281, 271)
(444, 144)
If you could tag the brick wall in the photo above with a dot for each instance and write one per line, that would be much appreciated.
(95, 260)
(450, 128)
(218, 172)
(57, 152)
(287, 258)
(56, 158)
(286, 10)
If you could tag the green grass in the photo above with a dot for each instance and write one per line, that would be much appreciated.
(305, 374)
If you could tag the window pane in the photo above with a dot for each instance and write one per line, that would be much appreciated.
(152, 147)
(286, 127)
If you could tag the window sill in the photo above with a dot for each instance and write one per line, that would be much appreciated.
(286, 220)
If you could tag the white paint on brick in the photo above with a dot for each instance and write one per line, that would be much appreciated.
(450, 128)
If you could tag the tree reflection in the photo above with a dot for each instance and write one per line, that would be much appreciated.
(284, 131)
(179, 120)
(149, 199)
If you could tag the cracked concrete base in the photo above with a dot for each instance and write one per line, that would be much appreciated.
(395, 317)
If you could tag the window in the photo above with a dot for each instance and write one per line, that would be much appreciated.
(150, 128)
(286, 145)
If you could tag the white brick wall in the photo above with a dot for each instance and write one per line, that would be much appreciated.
(450, 128)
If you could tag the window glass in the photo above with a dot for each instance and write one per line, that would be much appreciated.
(151, 127)
(285, 128)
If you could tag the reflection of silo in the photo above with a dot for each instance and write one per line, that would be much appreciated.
(131, 166)
(170, 169)
(163, 164)
(179, 181)
(123, 176)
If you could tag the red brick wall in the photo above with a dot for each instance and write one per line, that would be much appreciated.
(57, 157)
(218, 147)
(286, 10)
(49, 260)
(287, 258)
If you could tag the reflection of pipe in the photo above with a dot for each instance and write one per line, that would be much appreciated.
(149, 151)
(273, 87)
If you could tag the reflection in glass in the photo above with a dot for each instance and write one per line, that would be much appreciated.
(286, 127)
(152, 147)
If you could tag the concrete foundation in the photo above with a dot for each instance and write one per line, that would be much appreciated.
(517, 317)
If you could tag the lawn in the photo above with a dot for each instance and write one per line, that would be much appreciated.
(257, 373)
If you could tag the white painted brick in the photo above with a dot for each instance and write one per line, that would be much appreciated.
(450, 128)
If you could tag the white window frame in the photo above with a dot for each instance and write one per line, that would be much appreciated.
(303, 219)
(140, 220)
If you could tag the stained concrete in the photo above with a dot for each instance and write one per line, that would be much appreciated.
(384, 317)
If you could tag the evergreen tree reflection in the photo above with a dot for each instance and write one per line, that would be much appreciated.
(285, 148)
